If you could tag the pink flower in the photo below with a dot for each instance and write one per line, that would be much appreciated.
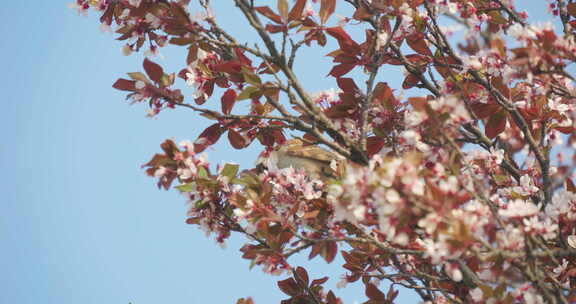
(518, 208)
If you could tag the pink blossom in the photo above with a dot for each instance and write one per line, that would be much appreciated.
(518, 208)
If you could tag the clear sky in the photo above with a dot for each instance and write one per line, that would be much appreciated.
(80, 222)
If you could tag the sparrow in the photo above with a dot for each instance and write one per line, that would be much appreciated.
(317, 162)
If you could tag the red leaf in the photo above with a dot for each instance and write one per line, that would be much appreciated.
(570, 185)
(230, 67)
(344, 40)
(571, 7)
(332, 298)
(279, 136)
(315, 250)
(496, 124)
(345, 58)
(347, 85)
(192, 54)
(410, 81)
(241, 57)
(289, 287)
(341, 69)
(236, 139)
(418, 60)
(383, 94)
(329, 251)
(327, 8)
(302, 275)
(268, 13)
(108, 14)
(296, 11)
(125, 85)
(484, 110)
(374, 144)
(361, 13)
(208, 137)
(169, 147)
(228, 100)
(271, 28)
(154, 71)
(208, 89)
(373, 293)
(245, 301)
(319, 281)
(418, 44)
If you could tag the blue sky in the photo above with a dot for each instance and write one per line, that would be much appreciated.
(80, 221)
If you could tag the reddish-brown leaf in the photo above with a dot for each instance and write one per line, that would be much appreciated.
(410, 81)
(362, 13)
(230, 67)
(571, 7)
(332, 298)
(107, 16)
(373, 145)
(208, 137)
(344, 40)
(236, 139)
(268, 13)
(484, 110)
(383, 95)
(319, 281)
(241, 57)
(154, 71)
(570, 185)
(315, 250)
(297, 10)
(418, 44)
(125, 85)
(271, 28)
(373, 293)
(179, 11)
(228, 100)
(245, 301)
(289, 287)
(302, 275)
(329, 251)
(192, 54)
(499, 84)
(496, 124)
(181, 41)
(320, 38)
(347, 85)
(341, 69)
(327, 8)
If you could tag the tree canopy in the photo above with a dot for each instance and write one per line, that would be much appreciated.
(458, 185)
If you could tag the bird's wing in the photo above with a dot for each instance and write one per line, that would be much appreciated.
(296, 148)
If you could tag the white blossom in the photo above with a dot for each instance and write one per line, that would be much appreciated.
(518, 208)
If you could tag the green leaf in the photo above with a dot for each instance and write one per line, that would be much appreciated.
(202, 172)
(251, 78)
(189, 187)
(199, 203)
(230, 170)
(167, 80)
(247, 93)
(139, 76)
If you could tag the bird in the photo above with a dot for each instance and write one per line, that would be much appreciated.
(317, 162)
